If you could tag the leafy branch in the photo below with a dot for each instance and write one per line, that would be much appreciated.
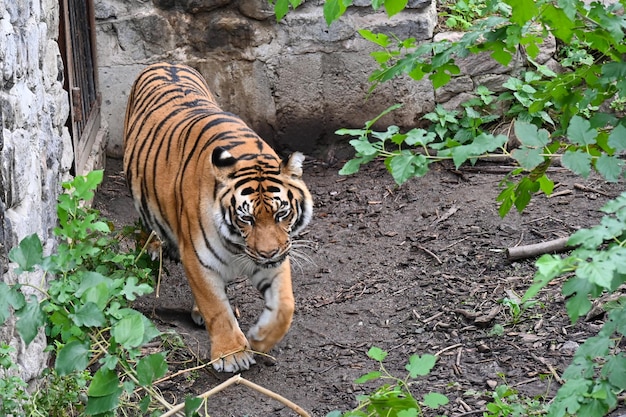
(94, 334)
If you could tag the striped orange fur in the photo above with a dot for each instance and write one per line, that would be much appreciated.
(222, 201)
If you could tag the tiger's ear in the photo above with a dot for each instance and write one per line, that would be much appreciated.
(292, 166)
(221, 158)
(223, 163)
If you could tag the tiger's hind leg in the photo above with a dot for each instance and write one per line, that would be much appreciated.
(275, 320)
(230, 350)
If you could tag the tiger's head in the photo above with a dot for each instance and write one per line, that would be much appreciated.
(263, 204)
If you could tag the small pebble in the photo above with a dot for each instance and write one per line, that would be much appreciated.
(569, 347)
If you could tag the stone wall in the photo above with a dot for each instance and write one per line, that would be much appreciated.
(295, 82)
(35, 146)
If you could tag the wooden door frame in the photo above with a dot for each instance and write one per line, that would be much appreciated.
(83, 127)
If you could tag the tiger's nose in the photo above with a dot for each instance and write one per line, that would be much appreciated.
(268, 254)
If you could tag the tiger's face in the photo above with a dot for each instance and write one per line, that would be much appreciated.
(261, 212)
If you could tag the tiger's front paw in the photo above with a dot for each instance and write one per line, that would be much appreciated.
(235, 362)
(230, 352)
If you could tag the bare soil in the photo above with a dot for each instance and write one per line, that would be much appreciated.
(413, 270)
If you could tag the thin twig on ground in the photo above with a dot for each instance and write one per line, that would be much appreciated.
(430, 253)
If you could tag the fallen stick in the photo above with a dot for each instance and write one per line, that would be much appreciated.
(238, 379)
(529, 251)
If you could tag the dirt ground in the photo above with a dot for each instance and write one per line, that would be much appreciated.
(412, 270)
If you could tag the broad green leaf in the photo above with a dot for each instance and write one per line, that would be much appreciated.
(419, 137)
(528, 134)
(74, 356)
(30, 319)
(523, 192)
(546, 184)
(578, 304)
(105, 382)
(387, 134)
(192, 404)
(594, 347)
(91, 279)
(368, 377)
(615, 369)
(578, 162)
(528, 158)
(506, 199)
(27, 254)
(617, 255)
(388, 110)
(10, 296)
(103, 404)
(569, 7)
(610, 167)
(588, 238)
(420, 365)
(613, 228)
(548, 267)
(379, 39)
(351, 167)
(88, 315)
(406, 166)
(411, 412)
(617, 138)
(434, 400)
(129, 331)
(333, 9)
(131, 290)
(523, 11)
(281, 7)
(352, 132)
(393, 7)
(377, 354)
(580, 131)
(85, 185)
(150, 368)
(482, 144)
(614, 70)
(597, 272)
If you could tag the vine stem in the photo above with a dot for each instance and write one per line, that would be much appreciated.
(238, 379)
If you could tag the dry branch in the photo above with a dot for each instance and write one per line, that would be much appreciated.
(536, 249)
(238, 379)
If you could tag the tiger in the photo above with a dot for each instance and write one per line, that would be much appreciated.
(222, 202)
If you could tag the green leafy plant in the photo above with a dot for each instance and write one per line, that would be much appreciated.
(516, 307)
(12, 388)
(508, 403)
(394, 398)
(597, 374)
(408, 155)
(539, 97)
(86, 307)
(520, 97)
(461, 14)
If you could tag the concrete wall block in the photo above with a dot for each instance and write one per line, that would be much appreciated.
(115, 83)
(244, 88)
(137, 39)
(492, 81)
(256, 9)
(225, 30)
(419, 24)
